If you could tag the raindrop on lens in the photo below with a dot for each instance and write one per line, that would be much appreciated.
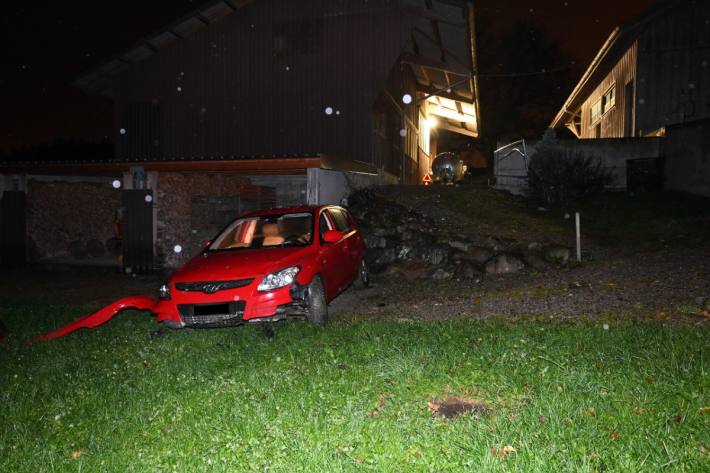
(177, 249)
(116, 184)
(402, 132)
(406, 98)
(328, 110)
(122, 131)
(149, 198)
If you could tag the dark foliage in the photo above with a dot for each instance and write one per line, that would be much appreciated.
(525, 77)
(558, 177)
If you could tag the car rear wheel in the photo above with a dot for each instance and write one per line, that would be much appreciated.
(317, 306)
(362, 280)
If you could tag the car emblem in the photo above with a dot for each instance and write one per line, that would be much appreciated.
(211, 288)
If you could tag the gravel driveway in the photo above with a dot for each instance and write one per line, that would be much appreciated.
(669, 282)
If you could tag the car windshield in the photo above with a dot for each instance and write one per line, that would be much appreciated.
(291, 229)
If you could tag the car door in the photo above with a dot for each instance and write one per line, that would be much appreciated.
(333, 258)
(350, 246)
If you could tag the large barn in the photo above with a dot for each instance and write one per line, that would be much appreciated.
(251, 103)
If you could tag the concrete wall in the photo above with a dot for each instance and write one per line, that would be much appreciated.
(331, 187)
(614, 153)
(687, 152)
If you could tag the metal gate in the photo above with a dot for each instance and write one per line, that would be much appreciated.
(13, 228)
(138, 230)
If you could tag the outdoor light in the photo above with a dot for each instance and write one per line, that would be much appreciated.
(431, 121)
(116, 184)
(406, 98)
(177, 249)
(328, 110)
(279, 279)
(164, 291)
(149, 198)
(122, 131)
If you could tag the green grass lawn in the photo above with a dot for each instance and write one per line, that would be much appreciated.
(351, 397)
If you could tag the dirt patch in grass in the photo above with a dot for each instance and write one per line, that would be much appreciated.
(451, 407)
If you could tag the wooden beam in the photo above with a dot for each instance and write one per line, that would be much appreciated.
(248, 165)
(461, 131)
(571, 126)
(447, 113)
(434, 64)
(437, 36)
(433, 91)
(471, 26)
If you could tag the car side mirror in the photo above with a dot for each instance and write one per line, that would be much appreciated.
(332, 236)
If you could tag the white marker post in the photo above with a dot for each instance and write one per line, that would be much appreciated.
(579, 239)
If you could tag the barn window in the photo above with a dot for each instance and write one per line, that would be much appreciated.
(609, 99)
(596, 111)
(296, 37)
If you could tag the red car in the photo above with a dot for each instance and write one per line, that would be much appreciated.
(268, 266)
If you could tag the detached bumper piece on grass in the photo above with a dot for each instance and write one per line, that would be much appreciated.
(110, 311)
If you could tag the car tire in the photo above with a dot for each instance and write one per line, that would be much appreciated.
(362, 280)
(317, 305)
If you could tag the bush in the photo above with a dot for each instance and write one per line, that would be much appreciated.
(558, 177)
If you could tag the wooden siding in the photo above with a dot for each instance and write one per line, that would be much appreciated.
(674, 67)
(224, 91)
(612, 122)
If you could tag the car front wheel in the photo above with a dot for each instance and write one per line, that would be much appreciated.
(317, 306)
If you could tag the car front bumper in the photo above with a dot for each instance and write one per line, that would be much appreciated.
(232, 307)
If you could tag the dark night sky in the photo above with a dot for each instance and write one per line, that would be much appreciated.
(47, 45)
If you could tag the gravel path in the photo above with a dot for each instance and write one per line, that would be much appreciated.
(671, 281)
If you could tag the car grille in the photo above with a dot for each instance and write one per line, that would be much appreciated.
(226, 314)
(210, 287)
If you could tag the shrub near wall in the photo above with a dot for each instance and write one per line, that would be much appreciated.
(558, 177)
(64, 214)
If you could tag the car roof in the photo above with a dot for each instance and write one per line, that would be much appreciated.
(285, 210)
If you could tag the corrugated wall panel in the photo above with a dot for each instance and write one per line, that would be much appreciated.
(674, 68)
(612, 122)
(223, 91)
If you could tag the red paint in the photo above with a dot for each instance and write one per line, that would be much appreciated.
(101, 316)
(335, 260)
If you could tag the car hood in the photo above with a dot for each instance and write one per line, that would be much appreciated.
(238, 264)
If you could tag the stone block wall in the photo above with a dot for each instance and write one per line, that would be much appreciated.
(61, 215)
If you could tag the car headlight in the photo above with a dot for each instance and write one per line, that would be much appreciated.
(279, 279)
(164, 291)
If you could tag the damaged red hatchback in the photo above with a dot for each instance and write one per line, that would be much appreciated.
(263, 267)
(268, 266)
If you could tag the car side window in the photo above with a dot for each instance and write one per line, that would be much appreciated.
(323, 225)
(342, 222)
